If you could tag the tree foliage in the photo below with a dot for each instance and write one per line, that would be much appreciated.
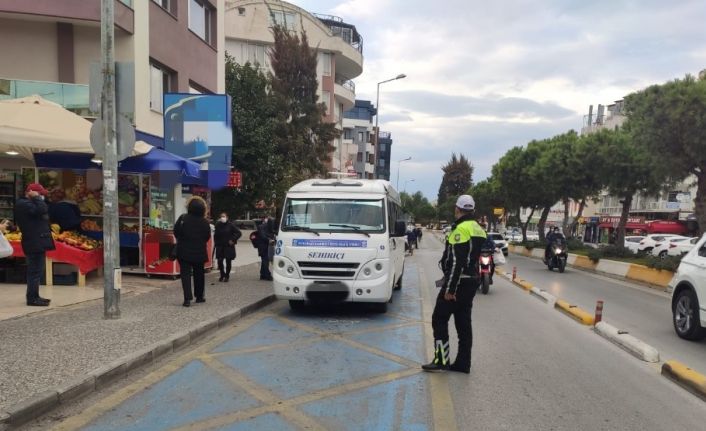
(301, 132)
(254, 149)
(418, 207)
(669, 120)
(457, 179)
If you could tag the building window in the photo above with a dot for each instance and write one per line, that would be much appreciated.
(360, 157)
(282, 19)
(371, 158)
(381, 163)
(326, 99)
(255, 54)
(241, 11)
(347, 133)
(361, 136)
(160, 83)
(127, 3)
(325, 59)
(166, 5)
(200, 17)
(383, 147)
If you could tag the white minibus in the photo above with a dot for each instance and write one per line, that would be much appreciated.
(340, 240)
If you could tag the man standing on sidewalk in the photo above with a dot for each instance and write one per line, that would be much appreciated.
(32, 217)
(461, 281)
(266, 235)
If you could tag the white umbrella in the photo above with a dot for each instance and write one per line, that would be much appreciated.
(33, 125)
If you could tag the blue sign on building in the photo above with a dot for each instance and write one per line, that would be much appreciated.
(198, 127)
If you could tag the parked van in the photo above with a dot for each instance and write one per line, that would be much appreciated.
(340, 240)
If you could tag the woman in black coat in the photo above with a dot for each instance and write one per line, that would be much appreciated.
(225, 237)
(192, 231)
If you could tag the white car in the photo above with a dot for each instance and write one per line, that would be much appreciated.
(632, 242)
(682, 247)
(661, 248)
(688, 287)
(647, 244)
(532, 236)
(499, 241)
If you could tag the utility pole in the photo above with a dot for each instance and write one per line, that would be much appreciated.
(111, 250)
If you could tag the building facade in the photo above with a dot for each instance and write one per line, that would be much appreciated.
(384, 156)
(340, 52)
(175, 46)
(357, 151)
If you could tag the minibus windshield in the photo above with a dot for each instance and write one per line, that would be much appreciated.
(334, 215)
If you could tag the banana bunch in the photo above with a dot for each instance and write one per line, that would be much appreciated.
(90, 206)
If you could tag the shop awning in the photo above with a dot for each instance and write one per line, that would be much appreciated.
(628, 226)
(32, 125)
(667, 226)
(155, 160)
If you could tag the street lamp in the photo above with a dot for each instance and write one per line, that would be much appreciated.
(377, 108)
(404, 189)
(397, 184)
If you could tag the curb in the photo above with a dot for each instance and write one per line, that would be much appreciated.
(42, 403)
(574, 312)
(685, 377)
(544, 296)
(627, 342)
(526, 285)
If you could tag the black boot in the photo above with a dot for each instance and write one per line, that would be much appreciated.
(441, 357)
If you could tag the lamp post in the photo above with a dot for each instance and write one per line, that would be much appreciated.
(404, 189)
(377, 108)
(397, 184)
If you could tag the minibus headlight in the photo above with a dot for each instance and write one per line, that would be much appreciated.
(373, 270)
(290, 269)
(367, 271)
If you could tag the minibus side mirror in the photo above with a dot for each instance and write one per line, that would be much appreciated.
(400, 228)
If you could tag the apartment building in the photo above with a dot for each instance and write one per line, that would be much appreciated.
(175, 45)
(357, 152)
(384, 156)
(340, 50)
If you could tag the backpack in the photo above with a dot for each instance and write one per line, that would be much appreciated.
(255, 238)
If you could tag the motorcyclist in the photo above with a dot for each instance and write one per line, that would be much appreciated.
(554, 235)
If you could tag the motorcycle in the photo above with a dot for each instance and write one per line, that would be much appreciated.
(558, 254)
(485, 268)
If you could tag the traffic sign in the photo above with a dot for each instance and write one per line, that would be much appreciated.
(125, 137)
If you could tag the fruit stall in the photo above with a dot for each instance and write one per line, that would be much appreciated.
(72, 248)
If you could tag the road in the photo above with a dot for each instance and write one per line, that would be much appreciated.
(348, 369)
(643, 312)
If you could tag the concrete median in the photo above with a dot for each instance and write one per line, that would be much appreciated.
(574, 312)
(627, 342)
(684, 376)
(543, 295)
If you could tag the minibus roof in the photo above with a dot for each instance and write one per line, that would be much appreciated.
(346, 185)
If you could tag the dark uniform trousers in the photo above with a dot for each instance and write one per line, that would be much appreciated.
(461, 312)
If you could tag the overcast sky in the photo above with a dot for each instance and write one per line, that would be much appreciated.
(483, 77)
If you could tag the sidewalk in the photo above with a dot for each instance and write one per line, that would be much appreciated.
(43, 350)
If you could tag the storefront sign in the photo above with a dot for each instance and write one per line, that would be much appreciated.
(498, 212)
(615, 220)
(198, 127)
(235, 180)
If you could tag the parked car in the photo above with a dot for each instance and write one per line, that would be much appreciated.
(688, 287)
(632, 242)
(532, 236)
(647, 244)
(661, 248)
(514, 235)
(499, 242)
(682, 247)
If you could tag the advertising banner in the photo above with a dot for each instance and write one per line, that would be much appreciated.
(198, 127)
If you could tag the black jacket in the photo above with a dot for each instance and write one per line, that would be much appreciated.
(224, 233)
(192, 232)
(266, 233)
(66, 215)
(32, 217)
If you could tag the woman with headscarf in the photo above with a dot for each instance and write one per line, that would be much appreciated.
(225, 236)
(192, 232)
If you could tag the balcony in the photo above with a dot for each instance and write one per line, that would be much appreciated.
(344, 94)
(73, 97)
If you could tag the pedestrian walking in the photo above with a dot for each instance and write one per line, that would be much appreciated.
(225, 236)
(192, 232)
(265, 239)
(419, 236)
(32, 218)
(459, 286)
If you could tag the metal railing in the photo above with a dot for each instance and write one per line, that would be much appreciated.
(352, 37)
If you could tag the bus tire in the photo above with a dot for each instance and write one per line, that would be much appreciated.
(380, 307)
(297, 304)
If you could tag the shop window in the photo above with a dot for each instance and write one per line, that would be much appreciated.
(200, 20)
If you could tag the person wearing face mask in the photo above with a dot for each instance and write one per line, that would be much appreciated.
(32, 218)
(225, 236)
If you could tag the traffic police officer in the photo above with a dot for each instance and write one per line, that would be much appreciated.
(459, 263)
